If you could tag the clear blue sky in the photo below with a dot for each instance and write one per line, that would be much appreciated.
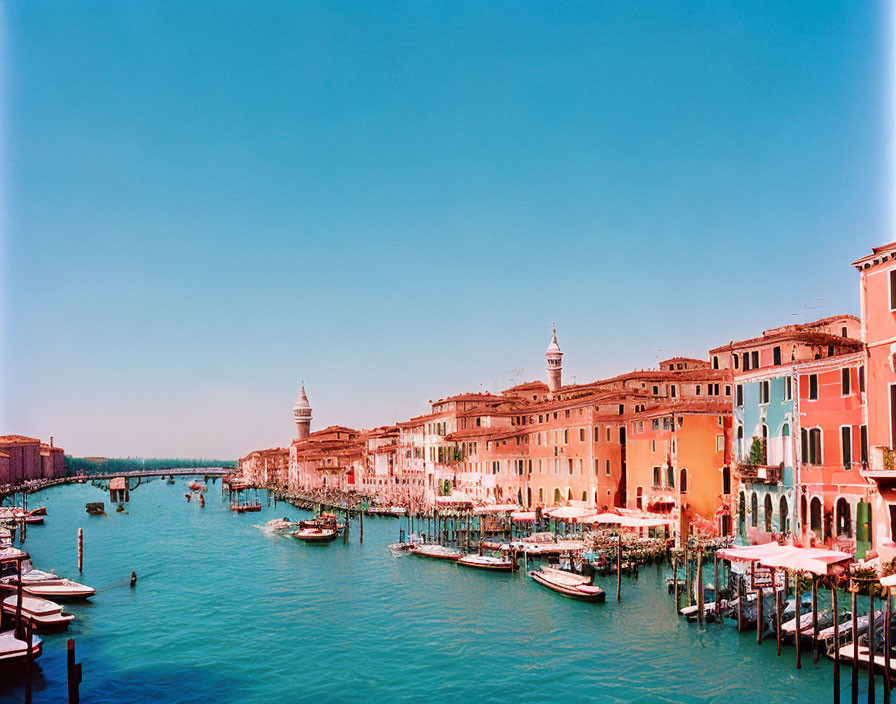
(394, 201)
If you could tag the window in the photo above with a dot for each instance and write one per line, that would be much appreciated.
(608, 467)
(727, 390)
(715, 362)
(862, 378)
(698, 389)
(566, 436)
(844, 381)
(720, 443)
(739, 395)
(596, 466)
(621, 408)
(673, 391)
(581, 435)
(736, 361)
(788, 388)
(844, 332)
(863, 441)
(776, 355)
(746, 361)
(810, 444)
(608, 433)
(754, 510)
(726, 480)
(813, 387)
(656, 476)
(764, 391)
(656, 390)
(754, 359)
(846, 446)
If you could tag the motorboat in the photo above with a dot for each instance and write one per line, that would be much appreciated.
(568, 584)
(14, 649)
(48, 585)
(279, 524)
(437, 552)
(316, 535)
(47, 615)
(324, 520)
(489, 562)
(403, 548)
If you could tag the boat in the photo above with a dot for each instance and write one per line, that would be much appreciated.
(402, 548)
(243, 508)
(278, 524)
(39, 511)
(489, 562)
(47, 615)
(437, 552)
(13, 649)
(196, 486)
(48, 585)
(568, 584)
(170, 480)
(825, 620)
(844, 630)
(393, 511)
(96, 508)
(316, 535)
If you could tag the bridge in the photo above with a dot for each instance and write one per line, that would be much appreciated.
(38, 484)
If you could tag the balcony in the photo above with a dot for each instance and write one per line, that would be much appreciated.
(882, 465)
(759, 473)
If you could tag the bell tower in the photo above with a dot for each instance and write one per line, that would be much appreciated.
(301, 414)
(555, 362)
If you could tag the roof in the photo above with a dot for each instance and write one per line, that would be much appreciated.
(17, 440)
(796, 333)
(686, 405)
(528, 386)
(879, 255)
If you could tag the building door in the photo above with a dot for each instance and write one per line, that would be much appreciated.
(863, 528)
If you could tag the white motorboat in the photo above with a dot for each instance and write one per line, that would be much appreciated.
(489, 562)
(279, 524)
(313, 534)
(48, 585)
(47, 615)
(437, 552)
(568, 584)
(13, 649)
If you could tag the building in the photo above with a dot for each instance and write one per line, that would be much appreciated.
(24, 459)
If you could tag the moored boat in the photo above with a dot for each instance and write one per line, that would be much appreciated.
(316, 535)
(48, 585)
(278, 524)
(13, 649)
(568, 584)
(46, 615)
(437, 552)
(244, 508)
(489, 562)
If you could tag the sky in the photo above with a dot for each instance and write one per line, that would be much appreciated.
(204, 205)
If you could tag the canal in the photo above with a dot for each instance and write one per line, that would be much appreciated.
(224, 612)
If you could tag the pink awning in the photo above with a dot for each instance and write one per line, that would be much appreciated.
(814, 560)
(523, 516)
(496, 508)
(628, 521)
(569, 513)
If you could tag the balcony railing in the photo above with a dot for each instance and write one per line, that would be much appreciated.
(883, 463)
(759, 473)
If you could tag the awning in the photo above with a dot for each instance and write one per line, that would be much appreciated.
(453, 500)
(497, 508)
(569, 513)
(814, 560)
(523, 516)
(628, 521)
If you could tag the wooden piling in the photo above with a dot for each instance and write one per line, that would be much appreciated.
(855, 646)
(759, 615)
(619, 566)
(80, 549)
(778, 619)
(799, 630)
(361, 529)
(29, 673)
(687, 572)
(814, 619)
(700, 586)
(872, 632)
(715, 583)
(19, 596)
(74, 673)
(836, 644)
(741, 595)
(887, 644)
(675, 581)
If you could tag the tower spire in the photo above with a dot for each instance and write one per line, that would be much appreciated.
(301, 414)
(554, 358)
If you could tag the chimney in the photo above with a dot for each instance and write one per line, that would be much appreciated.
(51, 442)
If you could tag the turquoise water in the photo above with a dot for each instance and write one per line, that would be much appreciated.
(224, 612)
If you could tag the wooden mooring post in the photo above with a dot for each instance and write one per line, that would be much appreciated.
(836, 643)
(887, 644)
(799, 613)
(814, 620)
(29, 674)
(361, 528)
(872, 633)
(759, 615)
(74, 673)
(700, 586)
(619, 566)
(715, 584)
(675, 581)
(80, 549)
(687, 572)
(854, 588)
(778, 619)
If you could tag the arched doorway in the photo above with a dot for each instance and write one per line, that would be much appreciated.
(844, 519)
(784, 515)
(769, 511)
(815, 515)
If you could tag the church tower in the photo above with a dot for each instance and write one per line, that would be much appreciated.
(555, 362)
(301, 413)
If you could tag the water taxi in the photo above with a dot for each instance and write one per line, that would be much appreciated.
(437, 552)
(489, 562)
(568, 584)
(46, 615)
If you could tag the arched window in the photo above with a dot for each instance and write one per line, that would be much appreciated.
(670, 476)
(844, 519)
(683, 485)
(584, 496)
(815, 514)
(529, 497)
(784, 515)
(558, 496)
(754, 510)
(769, 511)
(569, 494)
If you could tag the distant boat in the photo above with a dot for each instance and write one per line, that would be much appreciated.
(489, 562)
(437, 552)
(48, 585)
(46, 615)
(245, 508)
(568, 584)
(279, 524)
